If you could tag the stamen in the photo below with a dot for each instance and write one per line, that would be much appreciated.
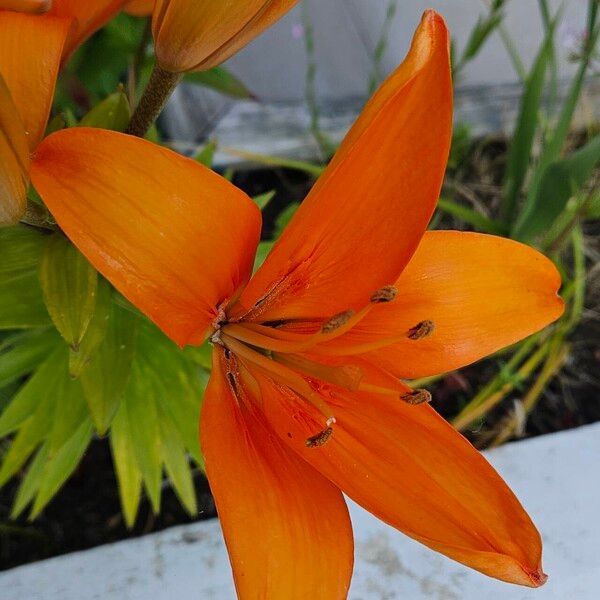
(421, 330)
(416, 397)
(281, 374)
(385, 294)
(337, 321)
(346, 376)
(320, 438)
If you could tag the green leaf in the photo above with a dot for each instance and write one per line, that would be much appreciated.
(261, 253)
(561, 180)
(200, 355)
(112, 113)
(25, 352)
(593, 207)
(263, 199)
(105, 377)
(176, 463)
(284, 218)
(221, 80)
(69, 285)
(96, 331)
(484, 27)
(519, 155)
(41, 386)
(31, 482)
(142, 417)
(60, 466)
(207, 154)
(129, 475)
(468, 215)
(21, 301)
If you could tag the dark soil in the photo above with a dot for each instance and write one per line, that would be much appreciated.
(86, 512)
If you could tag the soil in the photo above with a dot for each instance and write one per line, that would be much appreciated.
(86, 512)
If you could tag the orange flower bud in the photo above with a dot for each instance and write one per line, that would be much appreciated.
(196, 35)
(139, 8)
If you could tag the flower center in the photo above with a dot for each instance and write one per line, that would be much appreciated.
(283, 351)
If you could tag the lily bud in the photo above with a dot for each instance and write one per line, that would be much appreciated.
(196, 35)
(139, 8)
(26, 6)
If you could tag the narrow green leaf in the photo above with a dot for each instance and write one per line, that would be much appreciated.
(57, 123)
(21, 301)
(178, 384)
(207, 154)
(61, 465)
(519, 155)
(221, 80)
(129, 475)
(560, 182)
(484, 27)
(176, 463)
(593, 208)
(96, 331)
(140, 403)
(468, 215)
(262, 252)
(105, 377)
(284, 218)
(25, 352)
(69, 286)
(33, 394)
(31, 482)
(112, 113)
(263, 199)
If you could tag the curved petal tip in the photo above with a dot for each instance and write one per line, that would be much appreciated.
(538, 578)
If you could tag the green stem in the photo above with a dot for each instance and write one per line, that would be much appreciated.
(160, 87)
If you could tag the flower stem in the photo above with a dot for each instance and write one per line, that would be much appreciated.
(160, 87)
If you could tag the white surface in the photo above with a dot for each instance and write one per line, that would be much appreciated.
(556, 477)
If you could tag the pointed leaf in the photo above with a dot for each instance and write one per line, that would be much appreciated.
(21, 301)
(263, 199)
(113, 113)
(25, 353)
(207, 154)
(105, 377)
(221, 80)
(129, 475)
(69, 285)
(96, 331)
(60, 466)
(31, 482)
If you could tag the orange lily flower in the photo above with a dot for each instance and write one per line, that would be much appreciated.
(87, 17)
(305, 400)
(26, 6)
(139, 8)
(27, 80)
(195, 35)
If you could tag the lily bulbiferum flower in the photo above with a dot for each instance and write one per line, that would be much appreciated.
(306, 399)
(30, 54)
(195, 35)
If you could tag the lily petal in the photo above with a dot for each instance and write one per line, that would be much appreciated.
(199, 34)
(26, 6)
(174, 237)
(364, 218)
(410, 468)
(14, 160)
(30, 72)
(480, 292)
(87, 18)
(287, 528)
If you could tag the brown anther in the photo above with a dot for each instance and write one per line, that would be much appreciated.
(337, 321)
(321, 438)
(416, 397)
(385, 294)
(420, 330)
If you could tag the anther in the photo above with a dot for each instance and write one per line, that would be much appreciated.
(385, 294)
(420, 330)
(321, 438)
(337, 321)
(416, 397)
